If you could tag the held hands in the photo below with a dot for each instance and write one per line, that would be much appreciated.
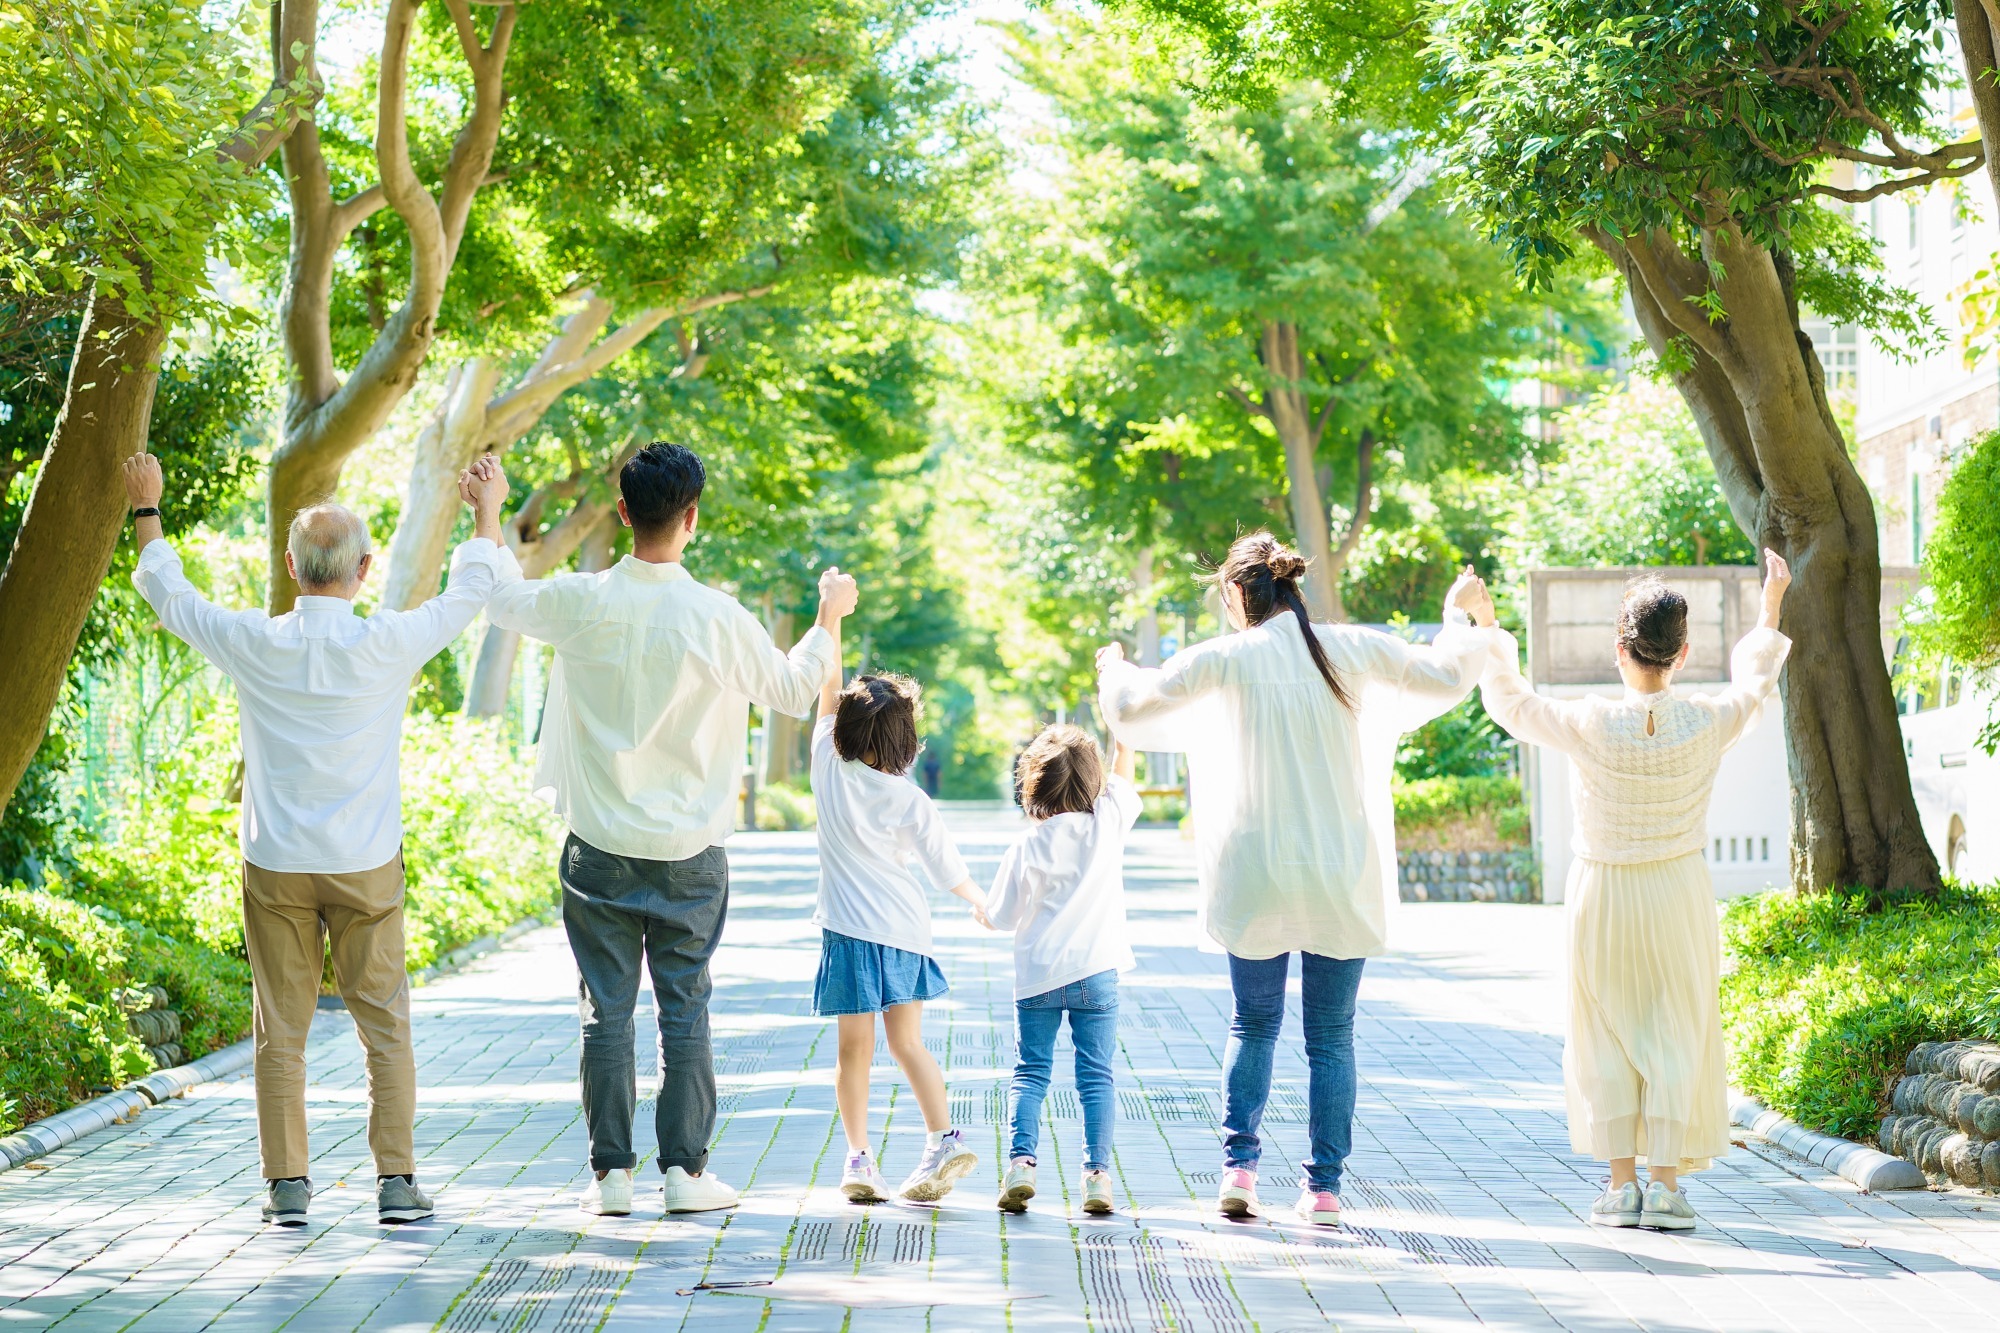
(1469, 593)
(838, 593)
(143, 481)
(1109, 655)
(483, 486)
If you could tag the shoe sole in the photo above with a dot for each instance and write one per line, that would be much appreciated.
(1097, 1207)
(860, 1191)
(1321, 1219)
(1015, 1198)
(1236, 1207)
(599, 1211)
(702, 1207)
(1664, 1222)
(1614, 1219)
(285, 1219)
(396, 1216)
(938, 1184)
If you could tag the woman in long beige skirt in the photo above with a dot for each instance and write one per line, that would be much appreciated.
(1643, 1068)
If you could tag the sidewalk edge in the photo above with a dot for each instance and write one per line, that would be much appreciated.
(66, 1127)
(1868, 1168)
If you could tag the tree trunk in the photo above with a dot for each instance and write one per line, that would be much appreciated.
(1291, 415)
(71, 526)
(1978, 24)
(1758, 394)
(446, 447)
(1149, 609)
(782, 729)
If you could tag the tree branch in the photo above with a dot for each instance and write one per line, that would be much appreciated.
(1249, 404)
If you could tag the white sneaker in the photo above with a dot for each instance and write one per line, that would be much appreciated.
(1666, 1210)
(1097, 1200)
(697, 1194)
(609, 1197)
(1238, 1195)
(862, 1181)
(1617, 1207)
(940, 1168)
(1017, 1186)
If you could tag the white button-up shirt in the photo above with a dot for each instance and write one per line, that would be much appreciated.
(1293, 820)
(321, 694)
(648, 715)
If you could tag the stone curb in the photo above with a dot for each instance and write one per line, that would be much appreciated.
(1868, 1168)
(66, 1127)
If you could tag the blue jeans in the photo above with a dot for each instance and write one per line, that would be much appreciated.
(1329, 986)
(1092, 1006)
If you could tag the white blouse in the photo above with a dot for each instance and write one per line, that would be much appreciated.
(1646, 763)
(1061, 890)
(1289, 791)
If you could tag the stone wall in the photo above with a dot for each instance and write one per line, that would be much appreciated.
(1468, 877)
(1945, 1113)
(153, 1023)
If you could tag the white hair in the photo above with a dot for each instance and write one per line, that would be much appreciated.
(327, 542)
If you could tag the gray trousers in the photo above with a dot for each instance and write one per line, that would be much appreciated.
(620, 911)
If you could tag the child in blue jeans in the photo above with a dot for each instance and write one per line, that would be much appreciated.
(1061, 890)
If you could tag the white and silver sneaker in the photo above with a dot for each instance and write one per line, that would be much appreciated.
(941, 1167)
(862, 1181)
(1617, 1207)
(1017, 1186)
(697, 1194)
(609, 1197)
(1666, 1210)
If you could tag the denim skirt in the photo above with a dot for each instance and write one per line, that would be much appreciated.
(856, 977)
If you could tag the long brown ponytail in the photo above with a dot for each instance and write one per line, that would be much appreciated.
(1266, 572)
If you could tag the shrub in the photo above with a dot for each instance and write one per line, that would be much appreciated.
(1830, 991)
(784, 808)
(1460, 814)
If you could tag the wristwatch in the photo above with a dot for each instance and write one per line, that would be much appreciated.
(147, 512)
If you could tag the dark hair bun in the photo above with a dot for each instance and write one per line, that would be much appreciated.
(1653, 624)
(1285, 563)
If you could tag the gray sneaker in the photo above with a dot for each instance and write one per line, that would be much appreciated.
(1618, 1206)
(1666, 1210)
(939, 1169)
(399, 1200)
(286, 1203)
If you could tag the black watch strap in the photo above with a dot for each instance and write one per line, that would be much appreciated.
(147, 512)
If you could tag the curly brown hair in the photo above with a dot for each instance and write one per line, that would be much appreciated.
(876, 722)
(1060, 773)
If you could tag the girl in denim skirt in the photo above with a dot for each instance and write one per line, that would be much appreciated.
(882, 850)
(1061, 890)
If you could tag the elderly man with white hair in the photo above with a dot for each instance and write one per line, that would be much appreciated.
(321, 692)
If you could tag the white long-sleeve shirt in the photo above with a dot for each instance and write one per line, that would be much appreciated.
(321, 693)
(1061, 890)
(1645, 763)
(883, 850)
(1294, 825)
(648, 713)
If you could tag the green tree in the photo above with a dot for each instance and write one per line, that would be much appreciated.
(126, 135)
(1960, 620)
(1272, 276)
(1691, 144)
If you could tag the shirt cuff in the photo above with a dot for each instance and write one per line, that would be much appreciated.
(158, 553)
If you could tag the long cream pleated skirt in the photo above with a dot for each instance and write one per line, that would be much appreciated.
(1643, 1069)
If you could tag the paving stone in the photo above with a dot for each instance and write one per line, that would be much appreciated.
(1465, 1206)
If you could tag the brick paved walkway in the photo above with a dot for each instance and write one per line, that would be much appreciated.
(1465, 1204)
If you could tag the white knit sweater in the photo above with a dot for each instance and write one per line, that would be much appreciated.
(1645, 763)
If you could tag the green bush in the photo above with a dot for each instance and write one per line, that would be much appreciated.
(62, 1035)
(1461, 813)
(1830, 991)
(783, 808)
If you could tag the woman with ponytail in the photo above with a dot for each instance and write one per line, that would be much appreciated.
(1290, 729)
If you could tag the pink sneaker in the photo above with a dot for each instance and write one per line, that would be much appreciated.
(1239, 1193)
(1320, 1207)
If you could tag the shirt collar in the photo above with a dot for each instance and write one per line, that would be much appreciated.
(648, 572)
(1633, 696)
(328, 605)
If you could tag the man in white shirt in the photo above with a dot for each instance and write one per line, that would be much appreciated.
(643, 741)
(321, 692)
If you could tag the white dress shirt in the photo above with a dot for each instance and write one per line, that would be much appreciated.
(1295, 829)
(883, 850)
(1061, 890)
(648, 715)
(1645, 763)
(321, 693)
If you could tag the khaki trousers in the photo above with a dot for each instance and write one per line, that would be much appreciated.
(288, 919)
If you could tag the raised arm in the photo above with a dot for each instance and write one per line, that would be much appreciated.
(1757, 659)
(182, 610)
(830, 683)
(1431, 679)
(1147, 706)
(478, 567)
(1521, 713)
(790, 682)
